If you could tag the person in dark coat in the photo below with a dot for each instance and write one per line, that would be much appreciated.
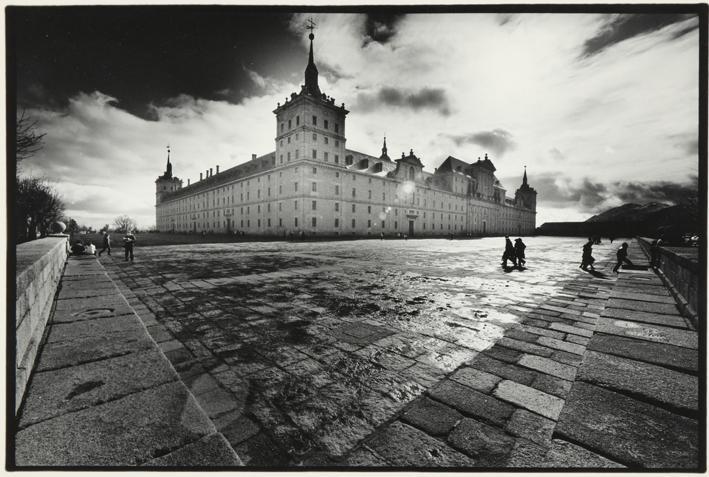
(106, 244)
(78, 248)
(519, 252)
(587, 259)
(509, 253)
(622, 255)
(128, 242)
(655, 253)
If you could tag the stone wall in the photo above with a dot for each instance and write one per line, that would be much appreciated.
(679, 267)
(40, 264)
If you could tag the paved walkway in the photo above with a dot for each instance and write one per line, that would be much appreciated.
(104, 394)
(600, 373)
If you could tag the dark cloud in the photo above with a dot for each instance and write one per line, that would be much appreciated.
(622, 27)
(425, 98)
(661, 191)
(592, 196)
(497, 141)
(381, 27)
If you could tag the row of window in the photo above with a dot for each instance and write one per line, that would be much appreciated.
(314, 223)
(326, 124)
(326, 156)
(326, 139)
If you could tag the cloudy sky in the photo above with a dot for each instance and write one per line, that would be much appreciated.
(601, 108)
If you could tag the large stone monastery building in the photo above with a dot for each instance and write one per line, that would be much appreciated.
(313, 184)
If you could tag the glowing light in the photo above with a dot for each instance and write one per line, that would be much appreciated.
(408, 187)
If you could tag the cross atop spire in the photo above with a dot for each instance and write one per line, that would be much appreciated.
(310, 26)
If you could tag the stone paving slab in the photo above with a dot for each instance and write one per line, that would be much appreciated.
(644, 297)
(82, 330)
(529, 398)
(78, 387)
(404, 446)
(628, 431)
(210, 451)
(652, 307)
(647, 381)
(548, 366)
(675, 321)
(432, 417)
(658, 334)
(656, 353)
(532, 426)
(472, 402)
(488, 445)
(71, 353)
(127, 431)
(557, 454)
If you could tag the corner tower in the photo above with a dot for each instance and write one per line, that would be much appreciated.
(526, 196)
(166, 183)
(309, 126)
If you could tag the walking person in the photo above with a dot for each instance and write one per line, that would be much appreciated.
(106, 244)
(622, 255)
(519, 252)
(586, 258)
(128, 242)
(509, 253)
(655, 253)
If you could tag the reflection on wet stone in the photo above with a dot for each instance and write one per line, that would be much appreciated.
(319, 344)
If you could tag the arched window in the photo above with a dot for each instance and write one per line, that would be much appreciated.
(411, 173)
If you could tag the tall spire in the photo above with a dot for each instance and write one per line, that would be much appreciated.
(524, 178)
(311, 71)
(168, 170)
(384, 150)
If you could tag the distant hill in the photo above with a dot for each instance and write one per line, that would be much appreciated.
(629, 213)
(654, 219)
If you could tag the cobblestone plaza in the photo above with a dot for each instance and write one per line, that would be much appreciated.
(302, 351)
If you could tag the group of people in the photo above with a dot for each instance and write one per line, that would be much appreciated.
(515, 253)
(88, 248)
(587, 259)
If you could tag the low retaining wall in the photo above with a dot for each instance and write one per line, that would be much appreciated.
(681, 274)
(40, 264)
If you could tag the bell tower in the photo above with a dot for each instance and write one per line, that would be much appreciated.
(526, 196)
(166, 183)
(309, 126)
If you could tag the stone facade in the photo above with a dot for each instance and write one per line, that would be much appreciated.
(313, 185)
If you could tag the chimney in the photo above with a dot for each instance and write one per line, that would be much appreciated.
(188, 182)
(210, 172)
(253, 156)
(200, 176)
(217, 168)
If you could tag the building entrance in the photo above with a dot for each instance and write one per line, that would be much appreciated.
(411, 228)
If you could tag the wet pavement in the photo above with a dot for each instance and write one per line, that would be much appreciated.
(320, 343)
(422, 353)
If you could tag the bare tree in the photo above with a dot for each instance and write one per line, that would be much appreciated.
(28, 138)
(123, 223)
(37, 207)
